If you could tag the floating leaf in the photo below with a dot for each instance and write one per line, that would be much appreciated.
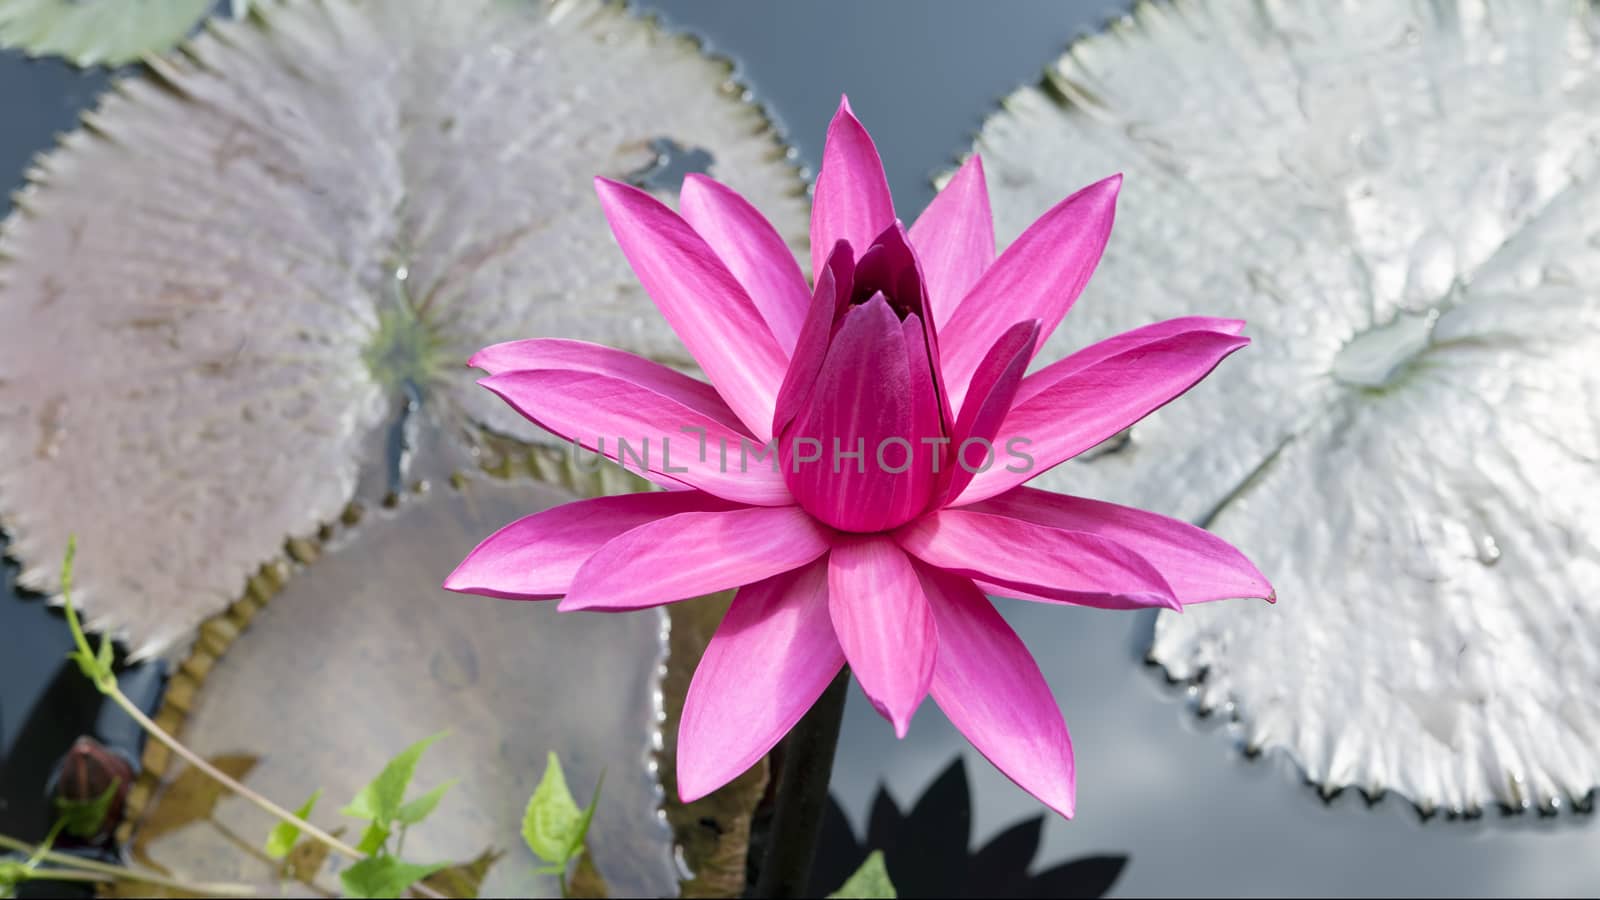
(381, 800)
(281, 841)
(98, 32)
(208, 345)
(552, 825)
(384, 876)
(869, 881)
(368, 645)
(1402, 199)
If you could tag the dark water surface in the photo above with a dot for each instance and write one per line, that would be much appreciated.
(1156, 784)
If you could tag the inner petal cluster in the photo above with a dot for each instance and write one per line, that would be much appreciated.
(866, 447)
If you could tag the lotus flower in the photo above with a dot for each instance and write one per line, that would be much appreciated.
(856, 465)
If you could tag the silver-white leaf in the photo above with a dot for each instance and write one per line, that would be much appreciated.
(216, 295)
(1402, 199)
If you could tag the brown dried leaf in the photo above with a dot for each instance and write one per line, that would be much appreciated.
(189, 798)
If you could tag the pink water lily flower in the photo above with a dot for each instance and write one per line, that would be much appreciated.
(856, 464)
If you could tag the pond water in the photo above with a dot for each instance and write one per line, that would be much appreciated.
(1171, 792)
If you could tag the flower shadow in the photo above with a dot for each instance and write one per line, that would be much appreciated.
(928, 850)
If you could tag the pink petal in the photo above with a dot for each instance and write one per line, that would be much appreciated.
(987, 683)
(1076, 410)
(954, 238)
(582, 356)
(1066, 566)
(863, 397)
(1038, 277)
(988, 402)
(753, 250)
(1127, 340)
(771, 658)
(535, 558)
(891, 266)
(851, 201)
(701, 300)
(693, 554)
(642, 429)
(1199, 565)
(883, 622)
(835, 282)
(929, 459)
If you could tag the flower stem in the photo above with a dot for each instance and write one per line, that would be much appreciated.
(221, 777)
(93, 870)
(806, 767)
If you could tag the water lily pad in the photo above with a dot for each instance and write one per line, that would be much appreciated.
(1403, 201)
(98, 32)
(247, 287)
(362, 654)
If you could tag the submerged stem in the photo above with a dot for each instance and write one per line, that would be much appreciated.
(802, 795)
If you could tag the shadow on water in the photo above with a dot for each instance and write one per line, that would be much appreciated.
(928, 851)
(1174, 791)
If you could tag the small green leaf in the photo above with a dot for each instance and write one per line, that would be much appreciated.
(283, 836)
(553, 826)
(384, 876)
(106, 657)
(11, 875)
(373, 838)
(587, 818)
(870, 882)
(418, 808)
(84, 818)
(380, 801)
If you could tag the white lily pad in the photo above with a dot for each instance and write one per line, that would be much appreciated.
(362, 653)
(251, 281)
(98, 32)
(1403, 199)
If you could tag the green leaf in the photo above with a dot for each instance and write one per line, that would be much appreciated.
(418, 808)
(553, 826)
(871, 881)
(373, 838)
(83, 818)
(11, 875)
(380, 801)
(588, 817)
(384, 876)
(107, 655)
(283, 836)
